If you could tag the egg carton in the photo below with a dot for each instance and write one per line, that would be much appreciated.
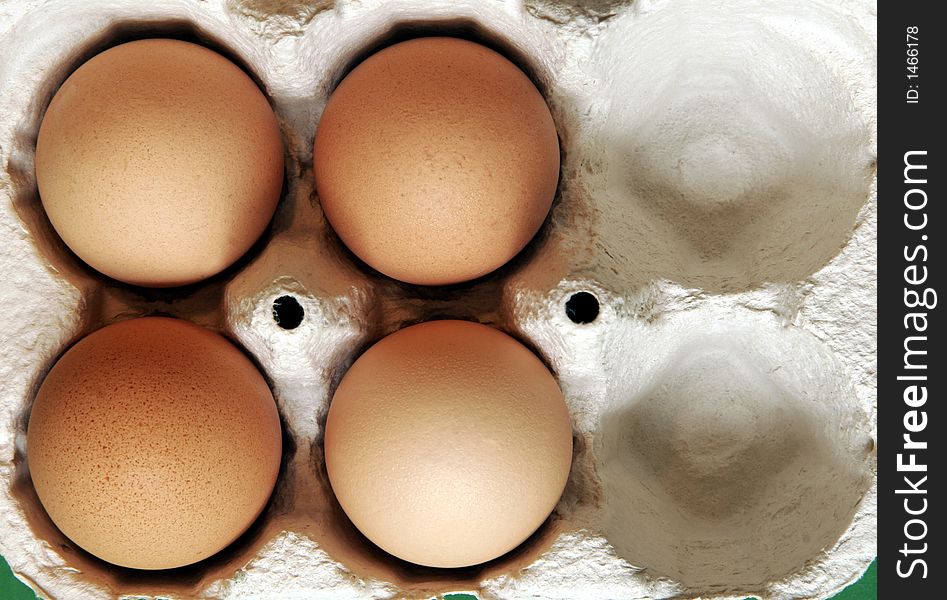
(716, 207)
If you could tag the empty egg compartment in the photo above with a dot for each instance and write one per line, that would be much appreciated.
(738, 149)
(738, 454)
(700, 289)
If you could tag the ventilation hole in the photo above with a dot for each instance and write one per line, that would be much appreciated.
(582, 308)
(287, 312)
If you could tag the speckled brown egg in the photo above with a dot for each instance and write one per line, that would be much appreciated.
(436, 160)
(153, 443)
(448, 443)
(159, 162)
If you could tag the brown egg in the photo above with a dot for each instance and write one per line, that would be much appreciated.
(159, 162)
(153, 443)
(436, 160)
(448, 443)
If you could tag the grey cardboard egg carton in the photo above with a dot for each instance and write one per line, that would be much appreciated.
(716, 196)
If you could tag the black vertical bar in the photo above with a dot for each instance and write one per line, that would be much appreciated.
(911, 271)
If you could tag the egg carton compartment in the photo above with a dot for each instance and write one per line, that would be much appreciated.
(703, 290)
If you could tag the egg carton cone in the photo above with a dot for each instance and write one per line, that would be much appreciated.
(703, 290)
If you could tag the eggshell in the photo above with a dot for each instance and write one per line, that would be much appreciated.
(153, 443)
(436, 160)
(448, 443)
(159, 162)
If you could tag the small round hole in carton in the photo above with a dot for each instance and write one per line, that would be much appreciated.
(287, 312)
(582, 308)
